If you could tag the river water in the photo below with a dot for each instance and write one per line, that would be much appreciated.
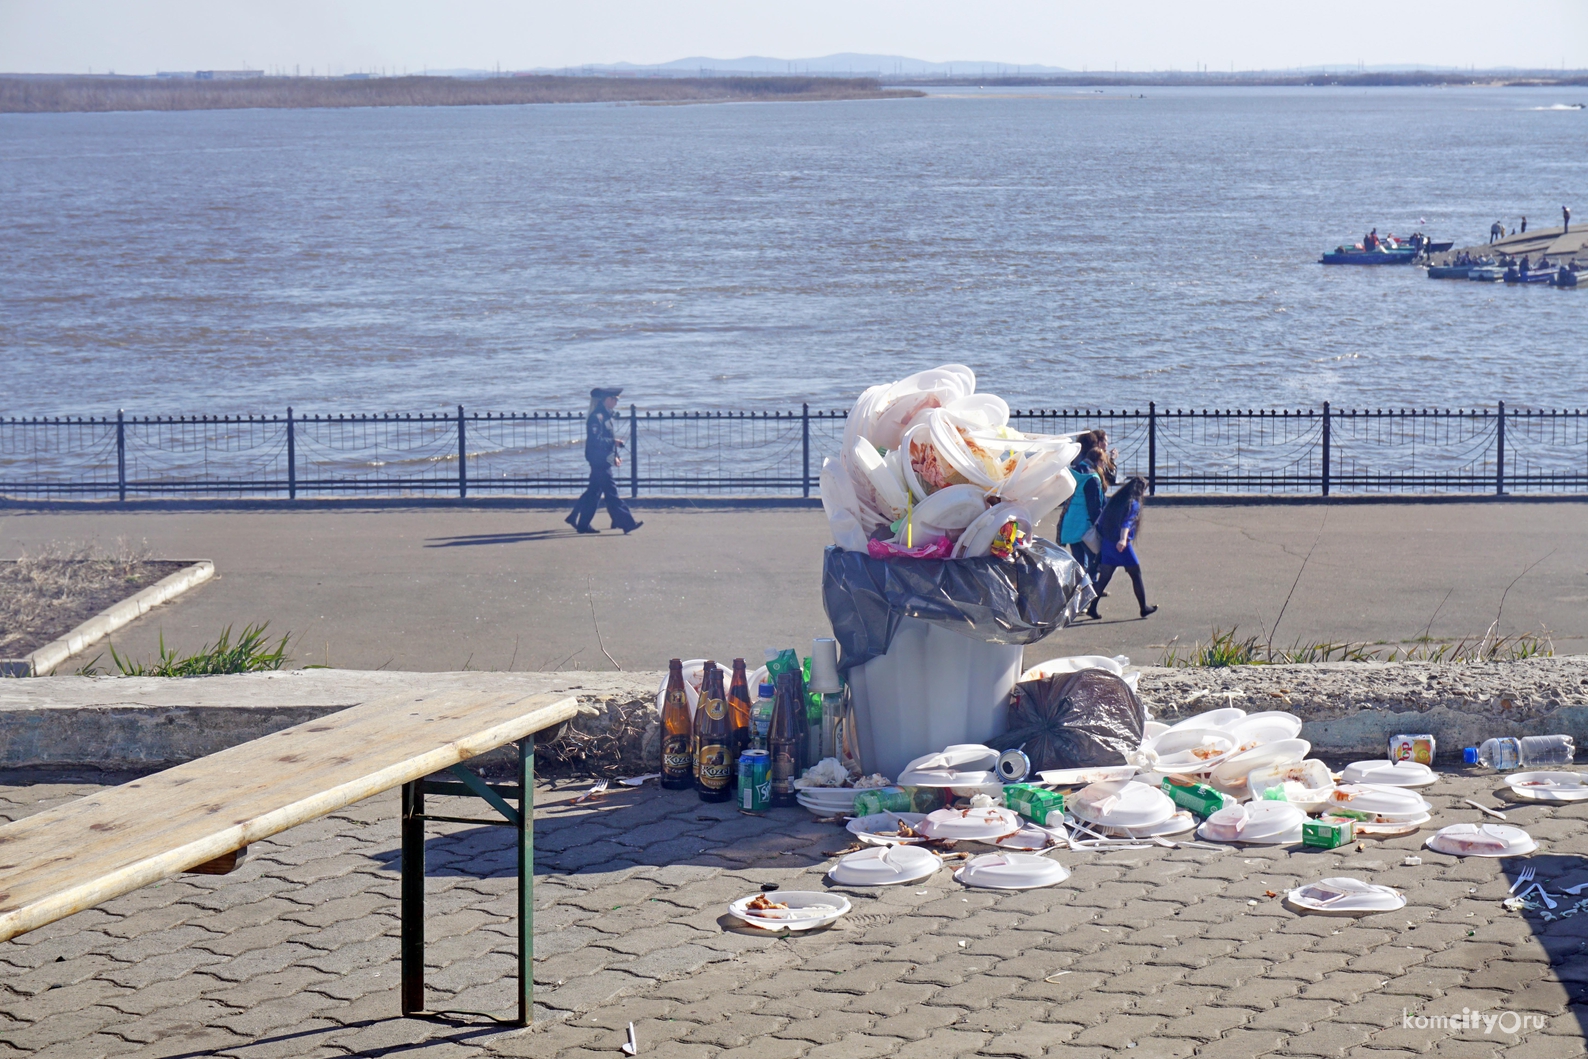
(1075, 248)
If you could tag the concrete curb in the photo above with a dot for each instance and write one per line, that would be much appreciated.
(46, 658)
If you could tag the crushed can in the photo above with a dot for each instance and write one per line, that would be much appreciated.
(1418, 748)
(1037, 804)
(1327, 834)
(1201, 799)
(755, 781)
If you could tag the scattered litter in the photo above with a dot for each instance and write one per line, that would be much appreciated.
(632, 1047)
(635, 781)
(1484, 808)
(593, 793)
(1346, 896)
(1057, 974)
(1412, 862)
(1517, 904)
(1575, 890)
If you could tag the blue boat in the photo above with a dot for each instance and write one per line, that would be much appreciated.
(1346, 255)
(1448, 271)
(1537, 275)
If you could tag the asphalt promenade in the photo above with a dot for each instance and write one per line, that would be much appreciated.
(442, 588)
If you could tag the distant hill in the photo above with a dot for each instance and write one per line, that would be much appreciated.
(844, 64)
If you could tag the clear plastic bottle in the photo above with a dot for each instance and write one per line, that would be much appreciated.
(1504, 754)
(761, 716)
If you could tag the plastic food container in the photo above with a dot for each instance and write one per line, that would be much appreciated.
(1267, 727)
(1265, 823)
(885, 866)
(1011, 871)
(1308, 785)
(1388, 773)
(1235, 769)
(1221, 718)
(882, 829)
(1481, 840)
(1549, 786)
(1121, 803)
(1380, 801)
(807, 910)
(1086, 776)
(1344, 895)
(1191, 750)
(971, 825)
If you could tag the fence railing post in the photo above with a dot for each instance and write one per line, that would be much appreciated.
(634, 454)
(121, 456)
(1152, 448)
(292, 458)
(1326, 440)
(463, 459)
(1499, 453)
(805, 445)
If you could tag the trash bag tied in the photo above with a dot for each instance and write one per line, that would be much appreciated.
(1074, 720)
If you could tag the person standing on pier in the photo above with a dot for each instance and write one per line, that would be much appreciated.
(601, 447)
(1496, 231)
(1523, 230)
(1565, 219)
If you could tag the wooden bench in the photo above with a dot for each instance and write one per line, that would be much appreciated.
(198, 815)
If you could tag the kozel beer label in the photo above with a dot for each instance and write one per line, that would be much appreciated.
(712, 762)
(675, 755)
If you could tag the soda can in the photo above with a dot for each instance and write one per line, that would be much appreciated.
(755, 781)
(1419, 748)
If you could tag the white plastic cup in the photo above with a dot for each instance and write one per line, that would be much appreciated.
(824, 665)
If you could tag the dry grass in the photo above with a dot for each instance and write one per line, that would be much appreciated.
(66, 583)
(60, 94)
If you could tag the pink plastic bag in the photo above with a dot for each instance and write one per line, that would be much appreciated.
(938, 548)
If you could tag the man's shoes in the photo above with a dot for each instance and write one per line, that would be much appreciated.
(632, 528)
(572, 520)
(1148, 610)
(1091, 612)
(586, 529)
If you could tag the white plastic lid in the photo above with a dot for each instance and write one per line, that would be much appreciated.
(1081, 777)
(1255, 822)
(1213, 718)
(1011, 871)
(961, 765)
(1269, 727)
(1345, 894)
(885, 866)
(982, 825)
(1388, 773)
(1374, 798)
(1481, 840)
(1121, 803)
(1189, 749)
(1235, 768)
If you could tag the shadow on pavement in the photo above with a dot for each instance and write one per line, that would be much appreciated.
(473, 539)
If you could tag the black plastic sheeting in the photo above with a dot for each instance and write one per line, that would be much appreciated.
(1004, 601)
(1074, 720)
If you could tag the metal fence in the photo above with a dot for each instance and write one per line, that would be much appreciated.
(747, 454)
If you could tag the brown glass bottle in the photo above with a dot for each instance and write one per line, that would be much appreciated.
(677, 746)
(713, 738)
(786, 739)
(739, 715)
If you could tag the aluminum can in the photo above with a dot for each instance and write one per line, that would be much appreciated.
(755, 781)
(1420, 748)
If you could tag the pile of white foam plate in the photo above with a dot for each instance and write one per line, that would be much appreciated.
(931, 458)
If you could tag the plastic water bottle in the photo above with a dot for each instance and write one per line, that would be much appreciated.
(761, 716)
(1504, 754)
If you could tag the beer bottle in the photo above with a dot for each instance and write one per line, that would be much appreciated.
(713, 738)
(786, 739)
(739, 715)
(677, 758)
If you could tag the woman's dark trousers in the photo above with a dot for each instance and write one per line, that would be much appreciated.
(1135, 580)
(602, 486)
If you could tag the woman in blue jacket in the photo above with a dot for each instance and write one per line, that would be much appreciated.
(1118, 526)
(1086, 503)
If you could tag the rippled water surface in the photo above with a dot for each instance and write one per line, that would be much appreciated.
(1074, 248)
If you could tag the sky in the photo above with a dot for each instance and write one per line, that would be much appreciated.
(143, 36)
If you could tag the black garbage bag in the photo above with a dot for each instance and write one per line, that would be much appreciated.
(1074, 720)
(1006, 601)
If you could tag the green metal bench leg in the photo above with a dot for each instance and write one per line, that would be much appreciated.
(526, 880)
(413, 899)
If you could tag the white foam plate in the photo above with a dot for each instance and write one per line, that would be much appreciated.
(807, 910)
(1011, 871)
(1267, 727)
(1373, 798)
(1268, 823)
(1178, 824)
(1481, 840)
(1084, 777)
(1385, 828)
(885, 866)
(1121, 803)
(1387, 773)
(1033, 837)
(1345, 896)
(869, 829)
(971, 825)
(1190, 750)
(1234, 769)
(834, 795)
(1549, 786)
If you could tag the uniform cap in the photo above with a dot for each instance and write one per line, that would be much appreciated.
(601, 393)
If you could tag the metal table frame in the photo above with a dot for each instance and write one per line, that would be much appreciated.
(522, 820)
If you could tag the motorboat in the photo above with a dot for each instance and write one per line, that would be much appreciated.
(1448, 271)
(1355, 255)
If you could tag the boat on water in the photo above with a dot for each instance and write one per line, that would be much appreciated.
(1355, 255)
(1537, 275)
(1564, 277)
(1486, 273)
(1448, 271)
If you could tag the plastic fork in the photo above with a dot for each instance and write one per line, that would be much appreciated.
(1523, 876)
(1548, 902)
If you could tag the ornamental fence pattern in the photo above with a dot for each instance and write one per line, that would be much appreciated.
(1323, 452)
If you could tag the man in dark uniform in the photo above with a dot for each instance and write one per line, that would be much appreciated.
(601, 446)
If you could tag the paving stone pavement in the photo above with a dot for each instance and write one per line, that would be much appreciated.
(1145, 953)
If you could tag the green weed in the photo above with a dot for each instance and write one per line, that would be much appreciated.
(1225, 649)
(251, 653)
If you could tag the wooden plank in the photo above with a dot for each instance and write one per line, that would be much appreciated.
(78, 855)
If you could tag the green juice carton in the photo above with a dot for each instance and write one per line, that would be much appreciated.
(1037, 804)
(1198, 797)
(1327, 834)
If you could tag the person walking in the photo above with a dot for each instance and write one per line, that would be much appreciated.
(1119, 525)
(1496, 231)
(601, 446)
(1082, 509)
